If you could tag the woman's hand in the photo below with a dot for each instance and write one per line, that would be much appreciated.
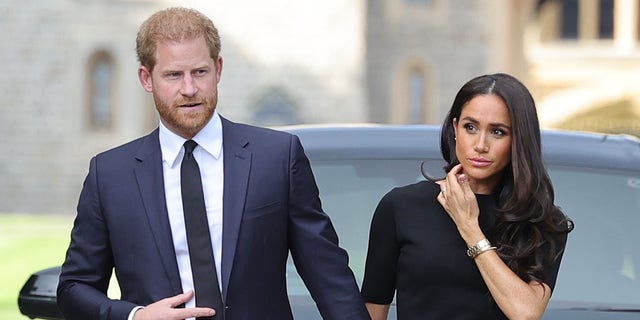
(459, 201)
(516, 298)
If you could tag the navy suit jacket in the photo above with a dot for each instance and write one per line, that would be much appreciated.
(271, 207)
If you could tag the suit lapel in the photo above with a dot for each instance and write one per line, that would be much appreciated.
(148, 171)
(237, 164)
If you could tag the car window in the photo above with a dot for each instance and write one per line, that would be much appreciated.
(602, 252)
(601, 263)
(350, 191)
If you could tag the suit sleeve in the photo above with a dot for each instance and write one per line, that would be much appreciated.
(89, 262)
(321, 263)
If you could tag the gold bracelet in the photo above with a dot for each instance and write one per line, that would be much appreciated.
(482, 246)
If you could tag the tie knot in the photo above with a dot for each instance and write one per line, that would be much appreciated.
(189, 145)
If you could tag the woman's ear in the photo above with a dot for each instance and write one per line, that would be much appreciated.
(455, 129)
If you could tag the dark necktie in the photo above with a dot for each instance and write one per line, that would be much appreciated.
(203, 267)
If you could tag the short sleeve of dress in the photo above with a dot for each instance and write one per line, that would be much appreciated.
(379, 282)
(551, 273)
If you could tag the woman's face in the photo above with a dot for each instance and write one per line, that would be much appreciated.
(483, 141)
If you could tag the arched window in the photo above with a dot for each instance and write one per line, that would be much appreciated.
(415, 96)
(100, 81)
(275, 108)
(418, 2)
(410, 99)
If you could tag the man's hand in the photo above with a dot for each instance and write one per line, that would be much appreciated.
(165, 309)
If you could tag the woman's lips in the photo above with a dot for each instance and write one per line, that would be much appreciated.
(479, 162)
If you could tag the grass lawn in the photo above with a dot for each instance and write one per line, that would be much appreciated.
(28, 243)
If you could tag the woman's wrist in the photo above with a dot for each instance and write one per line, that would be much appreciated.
(471, 234)
(479, 248)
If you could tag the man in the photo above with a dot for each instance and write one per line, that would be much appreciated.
(260, 198)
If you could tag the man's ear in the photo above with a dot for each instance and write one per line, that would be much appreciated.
(218, 63)
(144, 75)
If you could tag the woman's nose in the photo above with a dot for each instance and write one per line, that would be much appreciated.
(481, 145)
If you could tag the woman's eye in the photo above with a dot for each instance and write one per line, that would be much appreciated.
(470, 127)
(499, 132)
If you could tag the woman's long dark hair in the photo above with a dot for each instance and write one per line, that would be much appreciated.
(530, 226)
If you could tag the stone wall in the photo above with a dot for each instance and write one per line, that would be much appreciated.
(310, 52)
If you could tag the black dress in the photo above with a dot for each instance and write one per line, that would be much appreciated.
(416, 249)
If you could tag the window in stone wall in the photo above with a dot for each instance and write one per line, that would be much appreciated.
(569, 19)
(417, 2)
(577, 19)
(605, 18)
(415, 96)
(100, 81)
(275, 107)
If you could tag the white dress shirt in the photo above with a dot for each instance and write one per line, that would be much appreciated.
(209, 156)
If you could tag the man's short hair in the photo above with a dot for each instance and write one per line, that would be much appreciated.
(174, 24)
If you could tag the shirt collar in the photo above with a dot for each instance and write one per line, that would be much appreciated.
(209, 139)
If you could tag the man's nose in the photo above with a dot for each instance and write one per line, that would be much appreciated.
(189, 87)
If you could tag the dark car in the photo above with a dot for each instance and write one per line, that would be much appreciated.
(596, 179)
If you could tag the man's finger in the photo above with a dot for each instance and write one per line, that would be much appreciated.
(179, 299)
(194, 312)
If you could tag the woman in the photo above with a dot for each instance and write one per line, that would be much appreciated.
(486, 241)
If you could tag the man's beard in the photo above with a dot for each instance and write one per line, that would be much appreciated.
(187, 124)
